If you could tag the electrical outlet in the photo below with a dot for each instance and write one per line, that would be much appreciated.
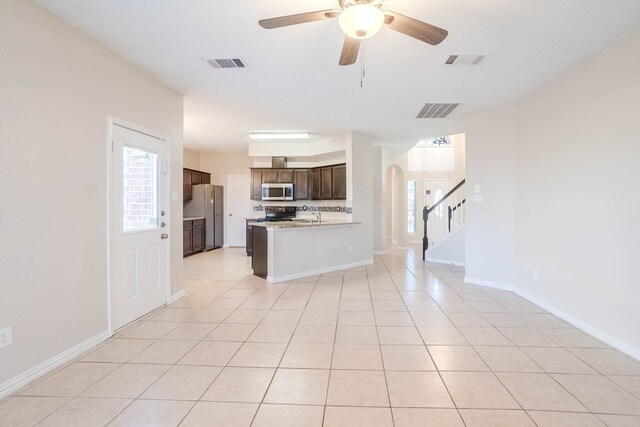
(6, 337)
(478, 198)
(534, 274)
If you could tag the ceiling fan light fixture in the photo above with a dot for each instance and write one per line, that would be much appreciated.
(361, 21)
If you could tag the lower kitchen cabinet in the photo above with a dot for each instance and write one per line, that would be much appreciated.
(193, 236)
(249, 240)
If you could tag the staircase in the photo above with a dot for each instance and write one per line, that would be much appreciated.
(445, 217)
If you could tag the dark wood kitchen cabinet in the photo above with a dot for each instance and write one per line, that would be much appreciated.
(256, 184)
(285, 176)
(193, 177)
(269, 176)
(186, 184)
(249, 239)
(193, 237)
(187, 238)
(277, 176)
(339, 182)
(326, 183)
(316, 180)
(323, 183)
(301, 184)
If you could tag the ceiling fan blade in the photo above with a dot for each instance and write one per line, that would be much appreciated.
(412, 27)
(300, 18)
(349, 51)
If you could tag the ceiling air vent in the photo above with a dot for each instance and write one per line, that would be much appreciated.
(465, 59)
(227, 63)
(436, 111)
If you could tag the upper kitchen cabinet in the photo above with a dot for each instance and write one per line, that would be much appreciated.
(326, 183)
(323, 183)
(256, 184)
(316, 180)
(186, 184)
(339, 182)
(193, 177)
(301, 184)
(285, 176)
(196, 177)
(269, 176)
(275, 176)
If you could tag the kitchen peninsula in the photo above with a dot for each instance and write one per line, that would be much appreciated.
(290, 250)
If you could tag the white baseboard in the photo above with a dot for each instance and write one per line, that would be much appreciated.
(175, 297)
(37, 371)
(606, 338)
(380, 252)
(488, 284)
(272, 279)
(444, 261)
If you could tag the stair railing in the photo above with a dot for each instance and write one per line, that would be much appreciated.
(453, 203)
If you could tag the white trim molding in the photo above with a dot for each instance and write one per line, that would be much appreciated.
(604, 337)
(444, 261)
(272, 279)
(25, 378)
(175, 297)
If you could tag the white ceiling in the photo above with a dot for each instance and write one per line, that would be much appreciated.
(293, 81)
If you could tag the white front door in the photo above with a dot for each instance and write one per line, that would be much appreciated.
(138, 256)
(438, 223)
(238, 208)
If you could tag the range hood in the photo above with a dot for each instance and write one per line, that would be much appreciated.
(278, 162)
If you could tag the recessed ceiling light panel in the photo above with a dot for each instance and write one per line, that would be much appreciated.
(278, 135)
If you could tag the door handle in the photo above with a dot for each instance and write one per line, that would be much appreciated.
(164, 236)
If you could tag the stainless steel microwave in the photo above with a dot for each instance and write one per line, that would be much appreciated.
(277, 191)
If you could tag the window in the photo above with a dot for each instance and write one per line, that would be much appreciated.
(437, 154)
(139, 190)
(411, 207)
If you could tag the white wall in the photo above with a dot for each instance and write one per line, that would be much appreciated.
(360, 183)
(490, 225)
(577, 171)
(191, 159)
(58, 87)
(220, 165)
(450, 250)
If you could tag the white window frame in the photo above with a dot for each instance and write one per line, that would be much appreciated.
(414, 210)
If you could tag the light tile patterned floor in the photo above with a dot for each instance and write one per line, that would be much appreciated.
(398, 343)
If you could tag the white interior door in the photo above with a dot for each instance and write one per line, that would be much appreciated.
(238, 208)
(138, 262)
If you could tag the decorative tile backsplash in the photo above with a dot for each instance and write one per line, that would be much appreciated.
(305, 208)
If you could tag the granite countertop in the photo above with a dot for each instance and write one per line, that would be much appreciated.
(300, 224)
(192, 218)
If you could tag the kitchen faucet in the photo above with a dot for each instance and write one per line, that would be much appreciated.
(318, 215)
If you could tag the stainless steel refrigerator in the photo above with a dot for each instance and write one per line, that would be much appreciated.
(206, 201)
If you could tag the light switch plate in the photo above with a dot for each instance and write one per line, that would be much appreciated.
(478, 198)
(175, 196)
(476, 188)
(360, 188)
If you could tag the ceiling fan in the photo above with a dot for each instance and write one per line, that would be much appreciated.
(361, 19)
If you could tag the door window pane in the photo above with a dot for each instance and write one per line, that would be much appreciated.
(439, 194)
(139, 189)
